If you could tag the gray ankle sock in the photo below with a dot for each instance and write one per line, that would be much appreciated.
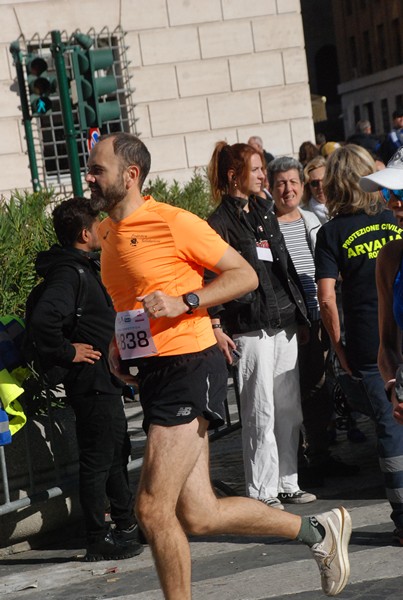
(311, 531)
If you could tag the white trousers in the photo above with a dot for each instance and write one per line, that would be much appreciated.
(270, 410)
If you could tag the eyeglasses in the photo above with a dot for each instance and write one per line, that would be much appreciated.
(315, 183)
(386, 193)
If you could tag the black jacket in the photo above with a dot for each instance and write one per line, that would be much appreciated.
(53, 319)
(366, 140)
(258, 309)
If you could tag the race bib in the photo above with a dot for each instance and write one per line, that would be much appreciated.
(133, 334)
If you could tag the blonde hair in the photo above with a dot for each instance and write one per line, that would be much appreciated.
(341, 183)
(315, 163)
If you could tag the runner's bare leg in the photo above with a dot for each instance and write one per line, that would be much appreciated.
(175, 497)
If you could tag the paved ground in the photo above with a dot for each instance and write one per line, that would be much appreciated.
(231, 568)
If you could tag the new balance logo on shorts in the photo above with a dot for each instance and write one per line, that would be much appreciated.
(184, 411)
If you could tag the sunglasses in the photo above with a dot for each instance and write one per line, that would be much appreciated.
(386, 193)
(315, 183)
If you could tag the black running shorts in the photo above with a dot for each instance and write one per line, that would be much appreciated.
(177, 389)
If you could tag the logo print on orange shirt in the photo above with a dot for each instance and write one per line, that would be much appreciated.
(141, 238)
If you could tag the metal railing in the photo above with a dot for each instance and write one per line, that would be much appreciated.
(62, 485)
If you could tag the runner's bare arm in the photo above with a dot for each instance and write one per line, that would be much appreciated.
(235, 278)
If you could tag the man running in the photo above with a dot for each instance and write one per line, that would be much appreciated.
(153, 259)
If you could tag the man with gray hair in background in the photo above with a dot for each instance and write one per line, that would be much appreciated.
(364, 137)
(256, 142)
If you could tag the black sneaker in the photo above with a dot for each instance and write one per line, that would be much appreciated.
(116, 545)
(298, 497)
(133, 533)
(125, 536)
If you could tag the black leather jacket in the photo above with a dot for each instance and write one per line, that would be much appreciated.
(258, 309)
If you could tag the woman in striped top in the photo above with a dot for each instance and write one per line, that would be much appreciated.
(299, 228)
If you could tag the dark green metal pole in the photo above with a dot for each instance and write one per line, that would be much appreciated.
(58, 49)
(26, 117)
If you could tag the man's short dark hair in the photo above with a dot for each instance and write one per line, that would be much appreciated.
(70, 217)
(131, 151)
(398, 112)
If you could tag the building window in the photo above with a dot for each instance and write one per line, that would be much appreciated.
(49, 136)
(327, 79)
(369, 112)
(397, 42)
(353, 56)
(357, 114)
(385, 114)
(381, 46)
(367, 51)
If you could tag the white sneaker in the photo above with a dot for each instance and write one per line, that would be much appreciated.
(331, 553)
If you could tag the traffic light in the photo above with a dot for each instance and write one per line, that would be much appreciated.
(40, 84)
(89, 89)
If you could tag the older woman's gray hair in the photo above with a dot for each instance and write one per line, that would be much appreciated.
(281, 165)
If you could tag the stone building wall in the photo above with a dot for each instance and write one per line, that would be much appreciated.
(202, 71)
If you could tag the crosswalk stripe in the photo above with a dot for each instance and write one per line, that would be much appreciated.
(286, 577)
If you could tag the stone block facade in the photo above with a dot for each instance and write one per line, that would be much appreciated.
(202, 71)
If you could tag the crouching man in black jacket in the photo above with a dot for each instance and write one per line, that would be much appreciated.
(81, 346)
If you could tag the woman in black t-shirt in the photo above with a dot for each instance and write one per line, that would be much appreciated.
(347, 246)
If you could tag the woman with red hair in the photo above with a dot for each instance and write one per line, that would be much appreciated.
(261, 326)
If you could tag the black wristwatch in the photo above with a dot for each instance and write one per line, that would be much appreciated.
(192, 300)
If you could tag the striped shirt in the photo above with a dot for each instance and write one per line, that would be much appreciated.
(299, 247)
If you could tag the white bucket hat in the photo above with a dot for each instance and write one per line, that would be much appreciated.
(391, 177)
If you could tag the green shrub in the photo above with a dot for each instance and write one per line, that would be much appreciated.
(25, 229)
(193, 196)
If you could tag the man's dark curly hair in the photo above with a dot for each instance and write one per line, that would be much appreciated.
(70, 217)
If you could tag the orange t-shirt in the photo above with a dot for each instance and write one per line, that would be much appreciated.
(161, 247)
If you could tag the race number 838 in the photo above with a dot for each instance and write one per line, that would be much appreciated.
(131, 339)
(133, 334)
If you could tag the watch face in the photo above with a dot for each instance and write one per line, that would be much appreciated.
(192, 300)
